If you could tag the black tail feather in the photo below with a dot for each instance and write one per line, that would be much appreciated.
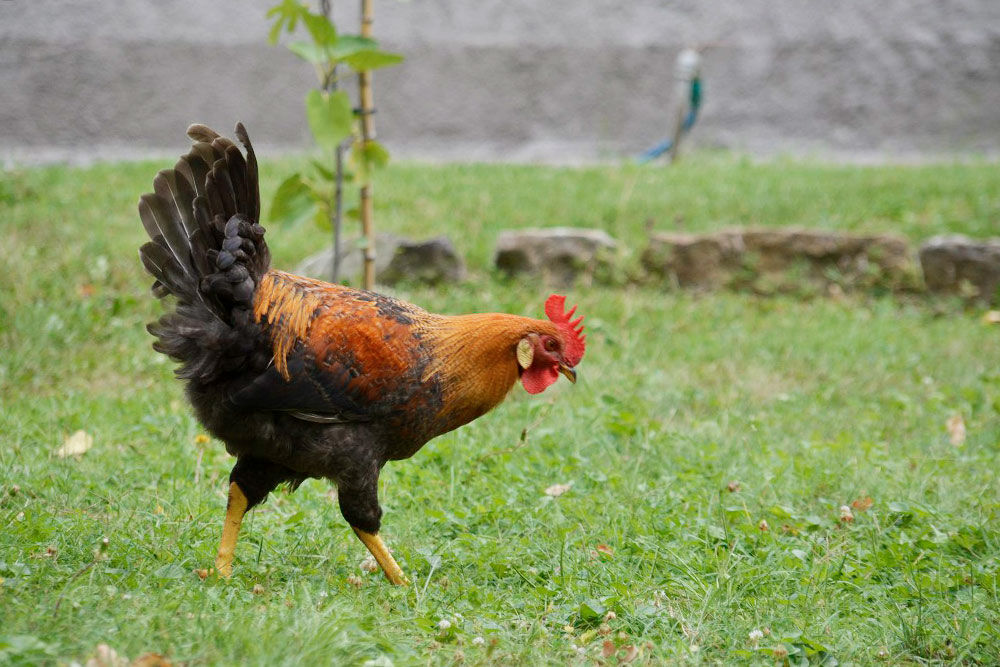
(162, 264)
(207, 249)
(253, 184)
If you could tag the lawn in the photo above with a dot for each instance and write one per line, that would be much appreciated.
(708, 449)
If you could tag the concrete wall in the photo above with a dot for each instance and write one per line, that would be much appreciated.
(514, 79)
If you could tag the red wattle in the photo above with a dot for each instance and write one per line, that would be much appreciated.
(536, 379)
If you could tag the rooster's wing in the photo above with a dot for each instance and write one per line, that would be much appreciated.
(339, 354)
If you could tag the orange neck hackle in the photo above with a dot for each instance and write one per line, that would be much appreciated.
(475, 356)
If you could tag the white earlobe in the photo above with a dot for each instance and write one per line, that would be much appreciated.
(525, 353)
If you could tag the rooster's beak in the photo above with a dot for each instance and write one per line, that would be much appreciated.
(568, 372)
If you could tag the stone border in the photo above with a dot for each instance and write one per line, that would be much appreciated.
(761, 260)
(780, 260)
(764, 260)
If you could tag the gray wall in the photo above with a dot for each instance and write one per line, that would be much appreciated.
(514, 79)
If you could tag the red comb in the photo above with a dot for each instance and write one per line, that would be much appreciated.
(555, 308)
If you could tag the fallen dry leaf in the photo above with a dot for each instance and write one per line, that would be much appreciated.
(956, 429)
(606, 550)
(76, 445)
(557, 490)
(369, 565)
(355, 580)
(862, 504)
(631, 653)
(258, 589)
(204, 573)
(733, 486)
(608, 649)
(48, 553)
(151, 660)
(992, 317)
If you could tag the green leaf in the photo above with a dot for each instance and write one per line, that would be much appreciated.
(366, 157)
(330, 117)
(320, 28)
(363, 61)
(349, 44)
(286, 16)
(274, 33)
(324, 173)
(322, 217)
(591, 610)
(310, 52)
(293, 202)
(170, 571)
(375, 154)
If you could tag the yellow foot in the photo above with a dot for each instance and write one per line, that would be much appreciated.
(382, 556)
(224, 567)
(235, 509)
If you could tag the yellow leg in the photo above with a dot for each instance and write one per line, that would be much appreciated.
(382, 556)
(235, 509)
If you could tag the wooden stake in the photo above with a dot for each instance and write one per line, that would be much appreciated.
(367, 134)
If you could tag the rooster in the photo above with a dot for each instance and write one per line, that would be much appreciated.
(301, 378)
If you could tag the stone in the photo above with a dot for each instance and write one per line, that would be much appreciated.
(957, 264)
(852, 256)
(397, 259)
(559, 255)
(769, 259)
(698, 261)
(432, 261)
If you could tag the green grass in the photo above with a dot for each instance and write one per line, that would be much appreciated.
(807, 404)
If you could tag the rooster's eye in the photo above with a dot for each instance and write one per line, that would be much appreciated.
(550, 345)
